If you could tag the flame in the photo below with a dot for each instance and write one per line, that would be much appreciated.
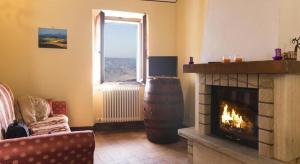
(232, 118)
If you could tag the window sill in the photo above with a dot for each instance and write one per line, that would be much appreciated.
(118, 84)
(122, 83)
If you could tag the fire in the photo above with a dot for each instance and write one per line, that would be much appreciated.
(232, 118)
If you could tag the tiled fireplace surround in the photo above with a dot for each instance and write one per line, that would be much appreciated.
(205, 148)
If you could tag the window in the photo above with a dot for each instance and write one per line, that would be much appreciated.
(121, 51)
(122, 46)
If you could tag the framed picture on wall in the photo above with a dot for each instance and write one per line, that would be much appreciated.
(52, 38)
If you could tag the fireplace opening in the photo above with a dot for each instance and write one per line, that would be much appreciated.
(234, 114)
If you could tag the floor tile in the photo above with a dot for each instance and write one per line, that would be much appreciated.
(133, 147)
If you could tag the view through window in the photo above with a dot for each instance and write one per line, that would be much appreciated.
(121, 51)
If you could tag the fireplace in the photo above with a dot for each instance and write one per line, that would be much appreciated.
(264, 94)
(234, 114)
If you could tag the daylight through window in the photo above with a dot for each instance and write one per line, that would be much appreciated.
(122, 47)
(121, 51)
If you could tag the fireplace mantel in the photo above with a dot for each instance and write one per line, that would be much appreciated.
(262, 67)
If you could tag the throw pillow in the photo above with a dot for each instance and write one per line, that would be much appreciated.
(42, 108)
(50, 102)
(27, 109)
(18, 114)
(34, 109)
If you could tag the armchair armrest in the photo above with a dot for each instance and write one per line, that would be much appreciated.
(75, 147)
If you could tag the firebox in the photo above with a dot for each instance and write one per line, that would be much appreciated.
(234, 114)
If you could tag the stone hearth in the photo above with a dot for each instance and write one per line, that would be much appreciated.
(278, 112)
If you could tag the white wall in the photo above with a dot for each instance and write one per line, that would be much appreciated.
(249, 29)
(289, 23)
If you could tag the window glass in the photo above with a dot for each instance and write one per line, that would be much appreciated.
(121, 50)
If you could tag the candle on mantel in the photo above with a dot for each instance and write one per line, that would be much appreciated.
(238, 59)
(226, 59)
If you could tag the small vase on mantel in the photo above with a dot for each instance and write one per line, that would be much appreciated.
(191, 60)
(277, 54)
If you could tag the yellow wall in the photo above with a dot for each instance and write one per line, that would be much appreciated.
(67, 74)
(190, 22)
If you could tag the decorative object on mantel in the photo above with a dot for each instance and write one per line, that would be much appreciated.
(292, 55)
(277, 54)
(52, 38)
(296, 40)
(238, 59)
(191, 60)
(226, 59)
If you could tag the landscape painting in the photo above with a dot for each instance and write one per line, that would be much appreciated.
(52, 38)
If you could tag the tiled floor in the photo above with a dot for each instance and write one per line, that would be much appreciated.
(133, 147)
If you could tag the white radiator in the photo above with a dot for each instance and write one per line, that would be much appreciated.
(121, 104)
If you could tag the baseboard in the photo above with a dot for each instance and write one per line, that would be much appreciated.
(82, 128)
(112, 126)
(119, 126)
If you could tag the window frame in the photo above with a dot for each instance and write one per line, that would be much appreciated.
(141, 58)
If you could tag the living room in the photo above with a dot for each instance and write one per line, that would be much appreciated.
(208, 31)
